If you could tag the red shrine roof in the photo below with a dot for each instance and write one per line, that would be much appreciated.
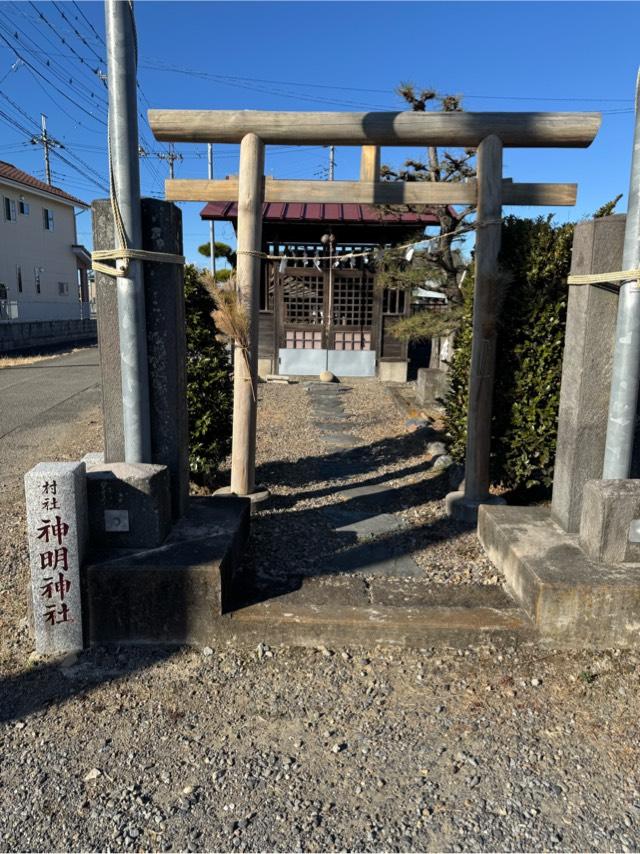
(12, 173)
(299, 212)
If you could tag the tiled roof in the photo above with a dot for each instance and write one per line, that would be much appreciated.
(11, 173)
(315, 212)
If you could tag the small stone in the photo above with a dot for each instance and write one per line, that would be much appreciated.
(92, 775)
(536, 682)
(207, 650)
(69, 660)
(436, 449)
(326, 377)
(339, 747)
(443, 462)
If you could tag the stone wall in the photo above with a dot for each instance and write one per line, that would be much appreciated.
(19, 337)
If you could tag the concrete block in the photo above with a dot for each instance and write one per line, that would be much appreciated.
(391, 372)
(572, 600)
(129, 505)
(432, 385)
(93, 458)
(265, 367)
(381, 611)
(176, 593)
(166, 345)
(457, 506)
(57, 533)
(609, 508)
(586, 369)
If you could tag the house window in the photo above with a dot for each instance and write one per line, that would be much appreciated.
(19, 278)
(36, 276)
(9, 210)
(47, 218)
(63, 288)
(23, 207)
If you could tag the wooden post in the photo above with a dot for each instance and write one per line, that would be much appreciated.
(245, 385)
(483, 348)
(370, 163)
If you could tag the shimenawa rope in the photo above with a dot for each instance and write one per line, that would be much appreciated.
(619, 277)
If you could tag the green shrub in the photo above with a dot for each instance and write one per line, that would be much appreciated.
(536, 256)
(209, 387)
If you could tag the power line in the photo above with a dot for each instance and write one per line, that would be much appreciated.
(82, 39)
(84, 169)
(334, 87)
(93, 71)
(93, 29)
(50, 83)
(64, 74)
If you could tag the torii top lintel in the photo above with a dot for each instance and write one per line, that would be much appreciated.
(515, 130)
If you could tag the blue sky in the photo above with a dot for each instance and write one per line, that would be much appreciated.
(324, 56)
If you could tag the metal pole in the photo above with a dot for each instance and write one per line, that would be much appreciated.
(625, 374)
(45, 145)
(332, 162)
(212, 232)
(123, 138)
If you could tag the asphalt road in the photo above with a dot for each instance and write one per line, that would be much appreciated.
(40, 401)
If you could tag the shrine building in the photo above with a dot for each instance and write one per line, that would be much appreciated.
(318, 312)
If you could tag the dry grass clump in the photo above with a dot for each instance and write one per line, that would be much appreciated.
(230, 317)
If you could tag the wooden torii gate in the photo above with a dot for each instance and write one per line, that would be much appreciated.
(488, 132)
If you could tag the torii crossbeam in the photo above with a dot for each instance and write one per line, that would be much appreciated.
(488, 132)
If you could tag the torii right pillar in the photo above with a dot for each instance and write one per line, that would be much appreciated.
(464, 505)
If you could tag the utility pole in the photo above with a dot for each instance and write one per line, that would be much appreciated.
(170, 156)
(332, 162)
(125, 196)
(625, 374)
(212, 232)
(46, 142)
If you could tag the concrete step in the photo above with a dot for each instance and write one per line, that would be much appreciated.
(404, 612)
(573, 601)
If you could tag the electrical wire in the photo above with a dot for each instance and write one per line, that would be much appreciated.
(82, 39)
(50, 83)
(336, 87)
(91, 27)
(63, 74)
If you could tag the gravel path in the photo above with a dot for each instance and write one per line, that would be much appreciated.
(344, 749)
(294, 534)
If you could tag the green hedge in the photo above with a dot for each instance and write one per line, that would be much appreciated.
(536, 255)
(209, 386)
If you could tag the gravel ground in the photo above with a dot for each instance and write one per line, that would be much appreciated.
(344, 749)
(365, 750)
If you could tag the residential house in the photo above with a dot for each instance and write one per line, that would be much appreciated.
(43, 269)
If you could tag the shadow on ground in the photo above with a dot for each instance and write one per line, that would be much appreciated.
(292, 541)
(49, 684)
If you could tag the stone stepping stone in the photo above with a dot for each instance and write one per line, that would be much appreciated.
(331, 409)
(366, 491)
(337, 440)
(327, 388)
(332, 427)
(362, 524)
(374, 559)
(336, 469)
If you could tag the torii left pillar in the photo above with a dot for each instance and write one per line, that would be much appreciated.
(245, 370)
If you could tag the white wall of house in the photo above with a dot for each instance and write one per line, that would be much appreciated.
(37, 266)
